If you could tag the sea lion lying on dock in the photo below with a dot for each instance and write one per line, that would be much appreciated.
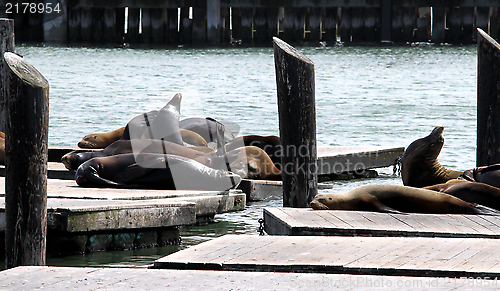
(162, 125)
(473, 192)
(420, 166)
(104, 139)
(251, 162)
(397, 199)
(487, 174)
(270, 144)
(155, 171)
(206, 127)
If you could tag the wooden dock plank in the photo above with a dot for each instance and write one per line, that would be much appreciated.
(353, 255)
(58, 278)
(476, 259)
(364, 223)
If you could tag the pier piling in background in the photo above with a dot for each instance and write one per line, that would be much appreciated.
(297, 122)
(27, 123)
(6, 45)
(488, 100)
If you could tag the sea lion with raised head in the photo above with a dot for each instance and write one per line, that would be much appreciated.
(155, 171)
(397, 199)
(420, 166)
(473, 192)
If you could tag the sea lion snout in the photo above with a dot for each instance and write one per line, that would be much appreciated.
(318, 203)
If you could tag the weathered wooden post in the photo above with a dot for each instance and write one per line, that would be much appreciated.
(297, 122)
(27, 121)
(488, 100)
(6, 45)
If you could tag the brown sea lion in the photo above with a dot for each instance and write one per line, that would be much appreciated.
(487, 174)
(270, 144)
(100, 140)
(397, 199)
(420, 166)
(156, 171)
(74, 159)
(473, 192)
(206, 127)
(248, 162)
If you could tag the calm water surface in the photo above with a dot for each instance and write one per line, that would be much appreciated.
(387, 96)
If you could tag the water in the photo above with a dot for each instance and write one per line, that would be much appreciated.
(387, 96)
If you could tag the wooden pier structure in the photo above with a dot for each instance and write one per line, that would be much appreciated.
(292, 221)
(397, 256)
(81, 220)
(214, 22)
(56, 278)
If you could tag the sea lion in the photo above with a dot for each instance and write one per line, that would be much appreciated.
(206, 127)
(156, 171)
(270, 144)
(74, 159)
(248, 162)
(101, 139)
(420, 166)
(487, 174)
(397, 199)
(473, 192)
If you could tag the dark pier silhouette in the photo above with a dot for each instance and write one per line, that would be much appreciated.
(216, 22)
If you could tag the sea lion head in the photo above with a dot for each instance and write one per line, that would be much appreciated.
(92, 141)
(427, 147)
(74, 159)
(319, 203)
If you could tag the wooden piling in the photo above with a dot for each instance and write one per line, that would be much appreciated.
(213, 22)
(372, 24)
(246, 25)
(27, 122)
(482, 18)
(86, 24)
(98, 22)
(488, 100)
(329, 33)
(133, 25)
(409, 19)
(297, 122)
(345, 24)
(110, 22)
(357, 24)
(438, 27)
(397, 25)
(468, 32)
(261, 26)
(157, 25)
(172, 29)
(199, 25)
(146, 25)
(386, 20)
(454, 24)
(74, 24)
(313, 24)
(6, 45)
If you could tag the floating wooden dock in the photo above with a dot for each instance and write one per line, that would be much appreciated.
(300, 221)
(58, 278)
(332, 161)
(94, 219)
(416, 256)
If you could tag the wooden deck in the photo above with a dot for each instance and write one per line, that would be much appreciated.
(340, 159)
(75, 209)
(59, 278)
(300, 221)
(426, 257)
(259, 190)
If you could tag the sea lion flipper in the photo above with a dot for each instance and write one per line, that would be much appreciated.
(381, 207)
(481, 209)
(132, 173)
